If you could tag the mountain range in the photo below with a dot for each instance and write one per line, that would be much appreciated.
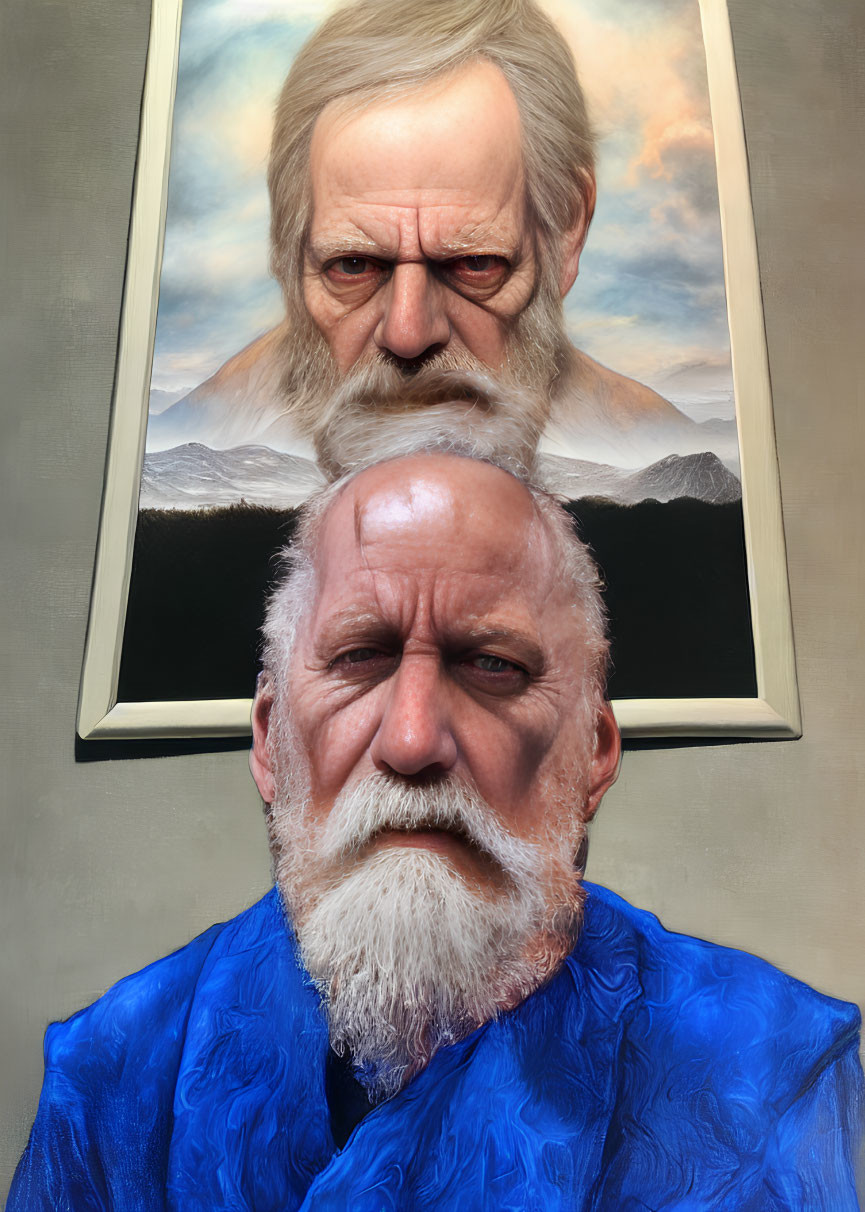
(701, 477)
(193, 476)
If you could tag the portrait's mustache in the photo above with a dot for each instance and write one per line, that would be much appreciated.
(437, 359)
(379, 411)
(380, 381)
(382, 804)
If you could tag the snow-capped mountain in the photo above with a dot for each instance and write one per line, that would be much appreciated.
(702, 477)
(195, 477)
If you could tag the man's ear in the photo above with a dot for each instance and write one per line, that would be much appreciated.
(606, 760)
(259, 757)
(574, 239)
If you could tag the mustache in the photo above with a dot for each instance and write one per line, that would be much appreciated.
(379, 411)
(381, 804)
(378, 384)
(394, 370)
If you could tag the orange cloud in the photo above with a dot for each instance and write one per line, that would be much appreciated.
(648, 77)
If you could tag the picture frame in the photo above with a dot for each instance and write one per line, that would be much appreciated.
(772, 713)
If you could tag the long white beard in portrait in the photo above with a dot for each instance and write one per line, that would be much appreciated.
(408, 953)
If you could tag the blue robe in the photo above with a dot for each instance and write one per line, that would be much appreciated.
(655, 1071)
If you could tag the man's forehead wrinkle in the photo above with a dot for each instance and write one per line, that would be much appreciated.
(441, 164)
(352, 239)
(494, 235)
(381, 229)
(497, 622)
(345, 620)
(412, 231)
(421, 610)
(357, 518)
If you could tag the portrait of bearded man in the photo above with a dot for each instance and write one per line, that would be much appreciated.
(432, 181)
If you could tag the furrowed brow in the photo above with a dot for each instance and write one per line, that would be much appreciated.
(347, 625)
(323, 248)
(473, 239)
(473, 245)
(523, 643)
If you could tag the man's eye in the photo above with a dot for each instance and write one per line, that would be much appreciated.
(348, 269)
(488, 663)
(488, 673)
(483, 271)
(477, 265)
(353, 265)
(359, 656)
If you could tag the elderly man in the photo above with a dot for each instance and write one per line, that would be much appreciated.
(432, 183)
(432, 1011)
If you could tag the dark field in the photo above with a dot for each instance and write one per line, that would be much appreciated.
(676, 581)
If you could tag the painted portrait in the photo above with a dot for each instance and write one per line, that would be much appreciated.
(623, 361)
(649, 309)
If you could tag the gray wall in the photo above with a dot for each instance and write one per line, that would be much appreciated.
(107, 865)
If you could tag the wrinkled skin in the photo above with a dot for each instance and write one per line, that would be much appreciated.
(441, 642)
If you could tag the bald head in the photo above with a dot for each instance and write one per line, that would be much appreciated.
(459, 564)
(442, 518)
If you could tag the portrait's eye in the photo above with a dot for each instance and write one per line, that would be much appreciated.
(477, 265)
(348, 272)
(352, 265)
(481, 274)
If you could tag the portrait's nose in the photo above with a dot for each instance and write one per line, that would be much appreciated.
(414, 322)
(415, 733)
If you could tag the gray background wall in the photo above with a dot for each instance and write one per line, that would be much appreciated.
(107, 865)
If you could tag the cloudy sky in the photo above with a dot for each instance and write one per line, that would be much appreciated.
(649, 300)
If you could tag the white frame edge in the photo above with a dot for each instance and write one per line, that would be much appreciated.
(774, 713)
(636, 718)
(128, 427)
(771, 618)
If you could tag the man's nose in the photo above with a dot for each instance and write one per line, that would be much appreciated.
(415, 733)
(414, 322)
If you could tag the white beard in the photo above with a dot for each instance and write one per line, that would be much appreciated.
(408, 954)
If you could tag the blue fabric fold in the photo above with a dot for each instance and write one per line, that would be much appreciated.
(655, 1071)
